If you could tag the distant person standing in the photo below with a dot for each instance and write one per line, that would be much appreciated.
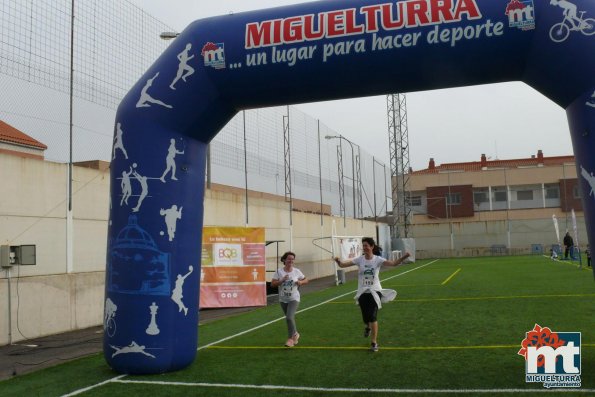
(369, 291)
(288, 279)
(588, 253)
(568, 245)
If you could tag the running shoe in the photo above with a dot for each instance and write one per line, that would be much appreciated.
(295, 338)
(289, 343)
(374, 347)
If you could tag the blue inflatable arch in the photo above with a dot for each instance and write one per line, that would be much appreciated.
(317, 51)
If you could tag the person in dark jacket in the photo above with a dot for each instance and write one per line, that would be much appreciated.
(568, 245)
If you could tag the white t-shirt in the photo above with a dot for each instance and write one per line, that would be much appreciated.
(368, 280)
(368, 273)
(288, 290)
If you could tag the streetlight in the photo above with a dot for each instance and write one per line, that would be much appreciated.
(352, 165)
(168, 35)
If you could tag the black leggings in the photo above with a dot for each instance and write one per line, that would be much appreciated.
(369, 307)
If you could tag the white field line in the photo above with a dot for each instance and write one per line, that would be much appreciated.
(566, 261)
(79, 391)
(118, 378)
(355, 390)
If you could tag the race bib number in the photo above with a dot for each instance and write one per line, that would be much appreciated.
(368, 280)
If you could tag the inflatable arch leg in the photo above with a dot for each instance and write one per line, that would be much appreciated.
(581, 119)
(153, 274)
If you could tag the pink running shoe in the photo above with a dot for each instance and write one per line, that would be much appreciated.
(295, 338)
(289, 342)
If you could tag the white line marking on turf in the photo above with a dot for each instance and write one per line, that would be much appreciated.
(79, 391)
(355, 390)
(306, 309)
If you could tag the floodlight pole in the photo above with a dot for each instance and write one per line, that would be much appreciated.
(448, 214)
(69, 215)
(374, 183)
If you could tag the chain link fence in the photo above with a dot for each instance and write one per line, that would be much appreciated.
(114, 42)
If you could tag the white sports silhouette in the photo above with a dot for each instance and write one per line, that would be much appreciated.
(171, 216)
(144, 191)
(184, 70)
(118, 143)
(177, 295)
(126, 187)
(170, 161)
(132, 348)
(146, 100)
(591, 101)
(590, 180)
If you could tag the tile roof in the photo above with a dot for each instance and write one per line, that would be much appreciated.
(495, 164)
(11, 135)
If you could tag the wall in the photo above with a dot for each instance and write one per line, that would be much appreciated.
(568, 199)
(495, 177)
(477, 238)
(45, 299)
(437, 207)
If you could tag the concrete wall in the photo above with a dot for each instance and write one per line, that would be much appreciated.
(495, 177)
(45, 305)
(477, 238)
(46, 299)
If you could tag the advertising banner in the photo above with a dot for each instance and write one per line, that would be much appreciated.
(557, 228)
(350, 247)
(233, 267)
(574, 229)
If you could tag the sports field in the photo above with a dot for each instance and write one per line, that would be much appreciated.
(455, 329)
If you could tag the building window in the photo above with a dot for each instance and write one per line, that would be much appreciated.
(480, 197)
(414, 201)
(576, 192)
(524, 195)
(500, 196)
(552, 191)
(453, 198)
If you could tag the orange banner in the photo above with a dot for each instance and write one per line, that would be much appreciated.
(233, 271)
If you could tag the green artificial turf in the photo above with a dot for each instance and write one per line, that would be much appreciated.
(457, 325)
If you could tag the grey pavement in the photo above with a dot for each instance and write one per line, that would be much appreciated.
(34, 354)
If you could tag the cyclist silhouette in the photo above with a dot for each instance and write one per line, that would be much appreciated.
(571, 23)
(569, 9)
(110, 313)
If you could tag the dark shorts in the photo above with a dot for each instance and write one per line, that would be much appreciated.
(369, 307)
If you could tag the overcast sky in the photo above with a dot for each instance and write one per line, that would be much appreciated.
(504, 121)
